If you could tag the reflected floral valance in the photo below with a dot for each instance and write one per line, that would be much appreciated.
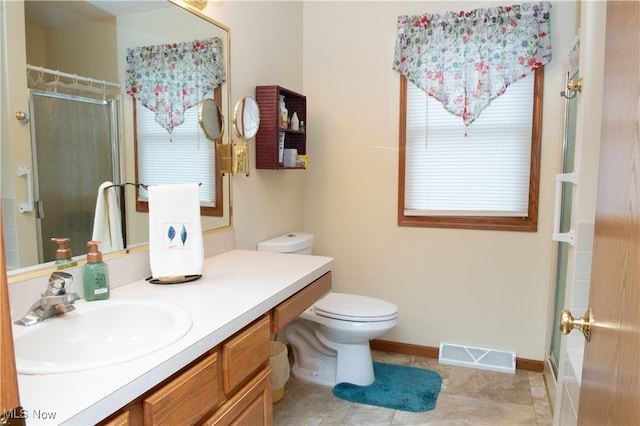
(467, 59)
(171, 78)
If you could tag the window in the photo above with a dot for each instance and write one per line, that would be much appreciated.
(184, 156)
(484, 176)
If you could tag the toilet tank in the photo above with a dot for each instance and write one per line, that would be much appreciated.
(293, 243)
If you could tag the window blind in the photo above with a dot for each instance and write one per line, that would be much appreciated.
(476, 170)
(185, 156)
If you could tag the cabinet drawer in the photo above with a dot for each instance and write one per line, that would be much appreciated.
(122, 419)
(130, 415)
(250, 406)
(288, 310)
(188, 398)
(244, 353)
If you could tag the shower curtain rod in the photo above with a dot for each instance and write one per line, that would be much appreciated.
(72, 76)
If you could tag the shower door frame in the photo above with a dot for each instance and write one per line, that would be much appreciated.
(562, 248)
(113, 105)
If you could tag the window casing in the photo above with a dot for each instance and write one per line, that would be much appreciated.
(451, 212)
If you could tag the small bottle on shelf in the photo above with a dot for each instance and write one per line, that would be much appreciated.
(295, 124)
(284, 114)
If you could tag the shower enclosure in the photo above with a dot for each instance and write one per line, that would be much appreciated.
(564, 223)
(71, 136)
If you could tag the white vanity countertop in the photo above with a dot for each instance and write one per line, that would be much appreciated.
(236, 288)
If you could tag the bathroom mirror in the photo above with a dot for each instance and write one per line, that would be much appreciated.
(211, 119)
(246, 118)
(96, 35)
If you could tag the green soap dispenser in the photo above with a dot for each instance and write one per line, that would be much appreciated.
(63, 254)
(95, 275)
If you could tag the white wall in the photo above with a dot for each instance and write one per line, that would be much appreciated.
(266, 49)
(481, 288)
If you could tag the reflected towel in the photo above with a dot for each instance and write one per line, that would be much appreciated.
(175, 230)
(107, 222)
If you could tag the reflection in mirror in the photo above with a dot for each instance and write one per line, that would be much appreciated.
(84, 39)
(246, 118)
(182, 156)
(211, 119)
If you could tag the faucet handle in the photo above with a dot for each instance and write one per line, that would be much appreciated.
(58, 283)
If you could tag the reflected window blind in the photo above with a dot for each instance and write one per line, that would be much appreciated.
(479, 170)
(185, 156)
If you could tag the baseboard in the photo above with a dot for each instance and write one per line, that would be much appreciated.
(431, 352)
(404, 348)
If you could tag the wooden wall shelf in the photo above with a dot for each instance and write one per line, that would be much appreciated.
(268, 137)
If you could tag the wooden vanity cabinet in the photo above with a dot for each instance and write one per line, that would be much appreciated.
(230, 384)
(288, 310)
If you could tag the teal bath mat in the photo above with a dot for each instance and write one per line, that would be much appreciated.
(397, 387)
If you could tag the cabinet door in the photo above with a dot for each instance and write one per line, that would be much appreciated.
(188, 398)
(251, 406)
(245, 353)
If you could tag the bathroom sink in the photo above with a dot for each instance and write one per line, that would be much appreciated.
(98, 334)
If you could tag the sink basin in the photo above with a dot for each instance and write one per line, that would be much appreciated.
(98, 334)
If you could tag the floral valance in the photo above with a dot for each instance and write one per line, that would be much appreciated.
(171, 78)
(467, 59)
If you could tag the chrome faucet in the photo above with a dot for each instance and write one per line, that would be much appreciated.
(55, 301)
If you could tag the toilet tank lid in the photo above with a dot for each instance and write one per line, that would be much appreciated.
(287, 243)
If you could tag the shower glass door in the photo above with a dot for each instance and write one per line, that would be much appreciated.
(568, 166)
(71, 136)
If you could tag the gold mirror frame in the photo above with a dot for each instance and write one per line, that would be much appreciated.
(211, 119)
(246, 118)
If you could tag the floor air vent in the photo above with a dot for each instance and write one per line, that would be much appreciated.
(486, 359)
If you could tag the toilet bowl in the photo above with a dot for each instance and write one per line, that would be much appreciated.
(330, 339)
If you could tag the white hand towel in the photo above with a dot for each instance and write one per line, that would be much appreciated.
(175, 230)
(107, 222)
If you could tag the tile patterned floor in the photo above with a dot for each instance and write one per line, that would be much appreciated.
(468, 397)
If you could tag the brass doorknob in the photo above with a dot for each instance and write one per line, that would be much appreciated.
(22, 117)
(568, 323)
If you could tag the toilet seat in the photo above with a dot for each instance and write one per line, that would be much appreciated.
(355, 308)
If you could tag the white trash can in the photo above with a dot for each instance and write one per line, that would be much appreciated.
(279, 360)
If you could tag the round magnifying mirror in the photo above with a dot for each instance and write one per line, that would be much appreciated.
(246, 118)
(210, 119)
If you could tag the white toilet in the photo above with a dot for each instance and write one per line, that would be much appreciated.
(330, 340)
